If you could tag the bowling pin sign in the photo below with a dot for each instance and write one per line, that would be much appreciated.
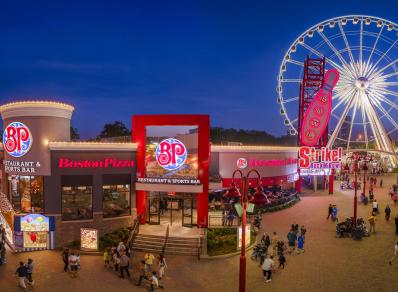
(317, 115)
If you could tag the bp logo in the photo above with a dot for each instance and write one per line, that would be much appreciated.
(171, 154)
(241, 163)
(17, 139)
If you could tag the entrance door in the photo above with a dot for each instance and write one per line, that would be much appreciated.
(187, 211)
(153, 208)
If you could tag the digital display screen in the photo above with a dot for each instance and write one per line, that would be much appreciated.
(171, 152)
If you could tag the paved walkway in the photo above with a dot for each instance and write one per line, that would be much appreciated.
(329, 263)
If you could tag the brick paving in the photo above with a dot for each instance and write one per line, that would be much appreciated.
(329, 263)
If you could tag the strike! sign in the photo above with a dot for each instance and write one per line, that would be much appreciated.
(171, 154)
(17, 139)
(312, 158)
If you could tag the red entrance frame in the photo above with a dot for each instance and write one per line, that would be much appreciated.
(139, 124)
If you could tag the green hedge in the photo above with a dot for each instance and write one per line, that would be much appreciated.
(265, 209)
(223, 240)
(113, 238)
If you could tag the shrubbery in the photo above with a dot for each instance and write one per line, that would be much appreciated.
(113, 238)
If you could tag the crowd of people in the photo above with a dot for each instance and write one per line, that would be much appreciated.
(118, 259)
(25, 273)
(271, 248)
(71, 261)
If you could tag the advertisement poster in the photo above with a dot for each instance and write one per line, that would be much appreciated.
(35, 222)
(35, 239)
(89, 239)
(240, 236)
(172, 152)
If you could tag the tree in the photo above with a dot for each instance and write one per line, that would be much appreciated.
(74, 135)
(116, 129)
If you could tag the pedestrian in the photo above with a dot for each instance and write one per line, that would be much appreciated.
(266, 241)
(29, 272)
(375, 207)
(2, 253)
(291, 238)
(224, 218)
(162, 265)
(106, 258)
(372, 223)
(124, 265)
(282, 261)
(143, 273)
(303, 231)
(395, 254)
(149, 258)
(22, 272)
(121, 247)
(116, 261)
(2, 234)
(267, 266)
(334, 213)
(330, 211)
(154, 282)
(300, 244)
(65, 259)
(230, 217)
(381, 183)
(387, 210)
(74, 264)
(396, 224)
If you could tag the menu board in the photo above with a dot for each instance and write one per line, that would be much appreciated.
(89, 239)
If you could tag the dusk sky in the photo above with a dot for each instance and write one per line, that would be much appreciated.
(113, 59)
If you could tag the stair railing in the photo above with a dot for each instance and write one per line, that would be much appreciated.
(166, 238)
(134, 231)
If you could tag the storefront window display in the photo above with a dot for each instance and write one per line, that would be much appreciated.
(26, 193)
(77, 203)
(116, 200)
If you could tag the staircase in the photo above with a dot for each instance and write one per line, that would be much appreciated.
(169, 245)
(148, 243)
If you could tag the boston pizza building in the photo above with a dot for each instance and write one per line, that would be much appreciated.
(53, 187)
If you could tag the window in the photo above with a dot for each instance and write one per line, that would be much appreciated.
(116, 200)
(26, 193)
(77, 197)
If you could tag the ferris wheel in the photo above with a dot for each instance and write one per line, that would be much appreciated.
(364, 49)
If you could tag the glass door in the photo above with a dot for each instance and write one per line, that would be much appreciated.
(153, 208)
(187, 210)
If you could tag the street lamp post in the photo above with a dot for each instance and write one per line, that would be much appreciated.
(244, 202)
(355, 159)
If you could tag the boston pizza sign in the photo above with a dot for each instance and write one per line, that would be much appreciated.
(17, 139)
(171, 154)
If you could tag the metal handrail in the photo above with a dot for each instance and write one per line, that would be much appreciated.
(166, 238)
(134, 232)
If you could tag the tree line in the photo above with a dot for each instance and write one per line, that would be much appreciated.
(218, 135)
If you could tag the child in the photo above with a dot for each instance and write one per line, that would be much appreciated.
(282, 261)
(106, 258)
(300, 244)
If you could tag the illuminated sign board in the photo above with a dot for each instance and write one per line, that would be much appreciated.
(323, 158)
(247, 236)
(89, 239)
(317, 115)
(160, 180)
(17, 139)
(35, 222)
(171, 154)
(241, 163)
(105, 163)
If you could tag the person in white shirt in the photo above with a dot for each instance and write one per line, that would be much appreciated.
(267, 266)
(395, 254)
(375, 206)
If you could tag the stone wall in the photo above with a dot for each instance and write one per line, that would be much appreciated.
(66, 232)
